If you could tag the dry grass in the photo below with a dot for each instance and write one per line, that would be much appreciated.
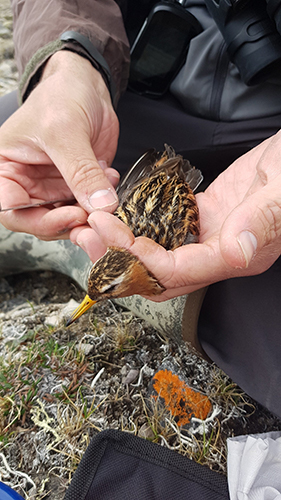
(60, 386)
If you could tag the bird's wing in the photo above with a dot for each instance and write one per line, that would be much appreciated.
(152, 163)
(139, 171)
(192, 175)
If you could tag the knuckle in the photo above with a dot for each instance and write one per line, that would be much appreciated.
(168, 274)
(271, 221)
(83, 172)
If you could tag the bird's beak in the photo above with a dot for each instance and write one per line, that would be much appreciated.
(84, 306)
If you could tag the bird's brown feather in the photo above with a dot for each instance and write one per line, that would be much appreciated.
(156, 201)
(162, 205)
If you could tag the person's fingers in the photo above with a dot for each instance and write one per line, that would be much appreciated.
(12, 194)
(76, 161)
(113, 176)
(80, 131)
(191, 265)
(253, 226)
(87, 239)
(45, 224)
(111, 229)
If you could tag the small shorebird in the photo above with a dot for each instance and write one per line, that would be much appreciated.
(157, 201)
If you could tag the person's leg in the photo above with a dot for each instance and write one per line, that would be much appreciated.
(239, 324)
(8, 105)
(240, 329)
(210, 146)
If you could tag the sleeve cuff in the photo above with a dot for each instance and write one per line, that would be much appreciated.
(95, 57)
(69, 40)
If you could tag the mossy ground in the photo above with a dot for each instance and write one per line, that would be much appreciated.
(60, 386)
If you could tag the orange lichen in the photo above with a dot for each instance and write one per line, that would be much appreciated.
(182, 401)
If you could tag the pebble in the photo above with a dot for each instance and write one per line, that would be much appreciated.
(130, 377)
(84, 348)
(69, 308)
(56, 318)
(146, 432)
(5, 33)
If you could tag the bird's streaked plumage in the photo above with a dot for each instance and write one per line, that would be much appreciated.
(157, 201)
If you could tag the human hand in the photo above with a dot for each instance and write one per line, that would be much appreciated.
(50, 148)
(240, 219)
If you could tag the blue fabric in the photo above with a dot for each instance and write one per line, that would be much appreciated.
(6, 493)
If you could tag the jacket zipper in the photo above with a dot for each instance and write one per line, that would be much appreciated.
(219, 81)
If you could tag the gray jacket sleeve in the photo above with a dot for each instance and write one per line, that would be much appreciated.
(38, 26)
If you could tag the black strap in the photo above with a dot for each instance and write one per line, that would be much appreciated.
(73, 36)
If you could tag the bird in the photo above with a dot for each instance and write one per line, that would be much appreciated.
(156, 200)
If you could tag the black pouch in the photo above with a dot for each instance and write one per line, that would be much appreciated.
(120, 466)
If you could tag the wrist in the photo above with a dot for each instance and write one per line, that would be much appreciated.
(66, 64)
(78, 40)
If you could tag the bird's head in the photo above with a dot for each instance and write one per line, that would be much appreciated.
(117, 274)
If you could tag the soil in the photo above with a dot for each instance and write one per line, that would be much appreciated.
(67, 384)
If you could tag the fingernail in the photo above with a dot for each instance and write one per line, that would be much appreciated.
(248, 244)
(71, 225)
(76, 223)
(102, 164)
(62, 231)
(112, 173)
(80, 244)
(103, 198)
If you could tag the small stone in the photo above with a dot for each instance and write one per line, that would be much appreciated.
(176, 395)
(130, 377)
(146, 432)
(123, 371)
(84, 348)
(57, 318)
(69, 308)
(147, 371)
(54, 320)
(5, 33)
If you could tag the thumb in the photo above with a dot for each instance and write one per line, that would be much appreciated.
(84, 175)
(251, 227)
